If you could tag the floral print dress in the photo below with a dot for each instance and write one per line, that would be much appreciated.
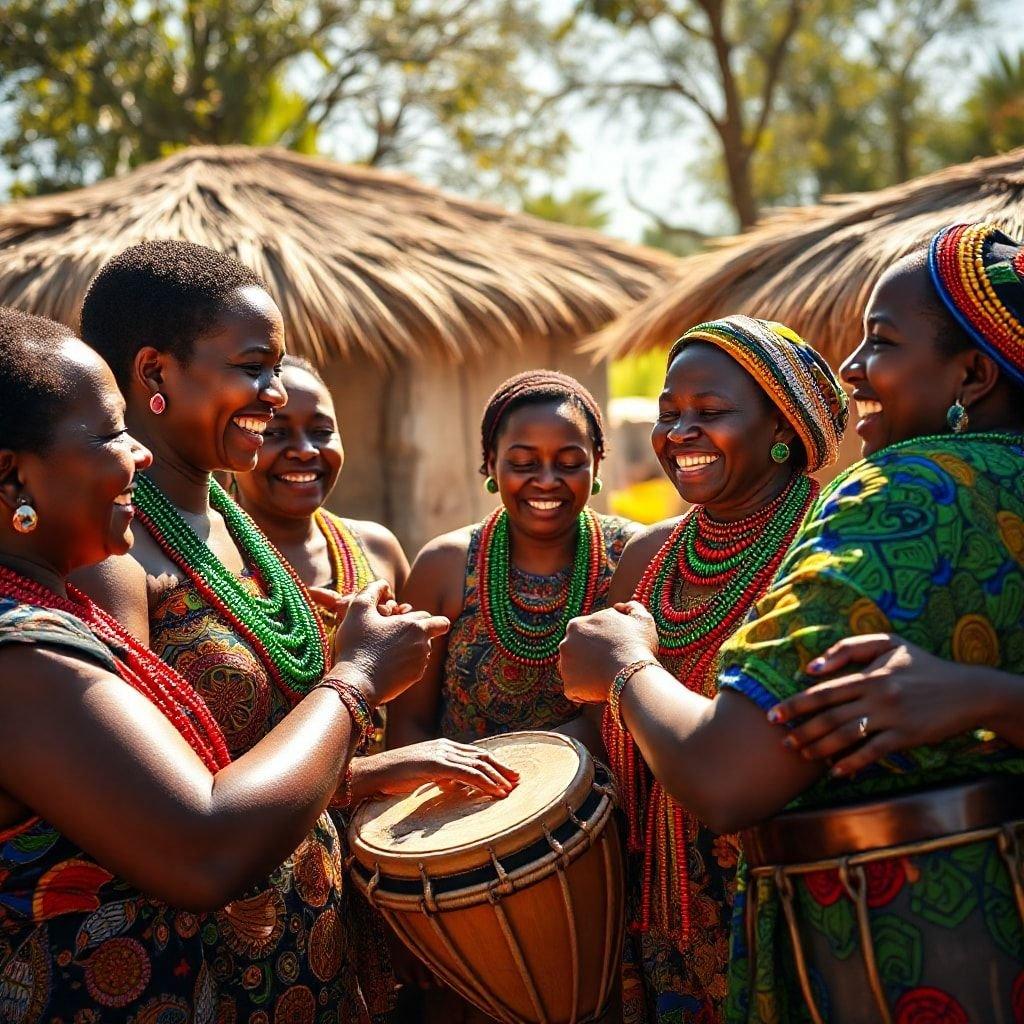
(284, 950)
(77, 944)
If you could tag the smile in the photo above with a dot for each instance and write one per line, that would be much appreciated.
(545, 506)
(124, 500)
(688, 462)
(298, 478)
(251, 424)
(867, 407)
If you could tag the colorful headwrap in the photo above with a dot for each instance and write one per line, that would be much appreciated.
(794, 375)
(979, 274)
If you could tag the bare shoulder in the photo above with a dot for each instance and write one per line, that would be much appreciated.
(385, 552)
(640, 550)
(438, 576)
(119, 585)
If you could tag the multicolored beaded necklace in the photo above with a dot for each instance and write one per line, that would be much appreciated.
(739, 560)
(525, 640)
(282, 627)
(137, 665)
(349, 564)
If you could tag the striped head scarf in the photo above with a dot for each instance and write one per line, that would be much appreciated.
(794, 376)
(979, 275)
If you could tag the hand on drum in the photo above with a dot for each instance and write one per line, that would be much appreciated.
(388, 646)
(442, 761)
(904, 697)
(597, 646)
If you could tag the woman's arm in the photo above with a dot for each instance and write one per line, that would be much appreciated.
(905, 696)
(436, 584)
(704, 752)
(85, 751)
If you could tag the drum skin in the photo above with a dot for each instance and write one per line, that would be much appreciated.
(518, 903)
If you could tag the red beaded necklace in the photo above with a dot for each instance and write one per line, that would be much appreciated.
(137, 665)
(739, 560)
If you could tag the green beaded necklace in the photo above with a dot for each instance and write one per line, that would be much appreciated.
(282, 627)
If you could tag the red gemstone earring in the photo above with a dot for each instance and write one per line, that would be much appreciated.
(157, 404)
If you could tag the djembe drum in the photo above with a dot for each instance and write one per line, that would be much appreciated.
(517, 904)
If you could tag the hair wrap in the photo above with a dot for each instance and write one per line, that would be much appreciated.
(792, 373)
(538, 386)
(979, 274)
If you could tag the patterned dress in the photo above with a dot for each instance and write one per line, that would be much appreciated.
(78, 945)
(484, 692)
(370, 948)
(283, 951)
(925, 539)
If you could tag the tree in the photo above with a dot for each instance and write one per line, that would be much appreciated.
(794, 97)
(582, 208)
(94, 87)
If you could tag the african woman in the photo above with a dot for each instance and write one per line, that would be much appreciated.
(512, 582)
(127, 830)
(877, 896)
(747, 411)
(195, 342)
(297, 469)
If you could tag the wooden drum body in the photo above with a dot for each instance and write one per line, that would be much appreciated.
(515, 903)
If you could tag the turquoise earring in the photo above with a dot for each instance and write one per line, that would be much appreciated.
(957, 418)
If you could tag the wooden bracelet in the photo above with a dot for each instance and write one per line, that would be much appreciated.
(622, 677)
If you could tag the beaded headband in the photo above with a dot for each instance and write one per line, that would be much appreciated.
(792, 373)
(979, 275)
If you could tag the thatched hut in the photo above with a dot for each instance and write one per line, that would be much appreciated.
(415, 304)
(813, 267)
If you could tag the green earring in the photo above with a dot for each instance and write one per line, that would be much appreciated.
(596, 486)
(780, 451)
(491, 485)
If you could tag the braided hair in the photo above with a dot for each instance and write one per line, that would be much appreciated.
(536, 387)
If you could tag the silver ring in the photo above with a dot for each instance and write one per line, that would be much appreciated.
(862, 725)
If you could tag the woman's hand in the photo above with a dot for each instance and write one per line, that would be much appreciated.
(389, 648)
(333, 606)
(597, 646)
(904, 697)
(442, 761)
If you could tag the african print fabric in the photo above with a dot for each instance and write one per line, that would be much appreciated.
(367, 927)
(77, 944)
(287, 941)
(925, 539)
(485, 692)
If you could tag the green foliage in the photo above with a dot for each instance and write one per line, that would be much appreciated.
(581, 208)
(640, 374)
(94, 87)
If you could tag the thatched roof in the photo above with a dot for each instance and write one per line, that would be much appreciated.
(813, 267)
(360, 261)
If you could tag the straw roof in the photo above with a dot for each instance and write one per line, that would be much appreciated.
(813, 267)
(360, 261)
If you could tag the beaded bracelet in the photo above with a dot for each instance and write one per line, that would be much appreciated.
(622, 677)
(354, 701)
(343, 794)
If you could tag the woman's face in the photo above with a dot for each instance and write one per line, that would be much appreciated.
(81, 485)
(902, 384)
(301, 457)
(715, 432)
(220, 402)
(544, 464)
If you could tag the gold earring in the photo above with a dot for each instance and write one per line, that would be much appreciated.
(25, 518)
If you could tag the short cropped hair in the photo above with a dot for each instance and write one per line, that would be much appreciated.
(165, 293)
(33, 384)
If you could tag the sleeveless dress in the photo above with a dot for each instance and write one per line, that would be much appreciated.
(282, 951)
(484, 692)
(77, 944)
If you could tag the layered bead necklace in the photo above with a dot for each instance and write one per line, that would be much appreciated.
(525, 639)
(738, 562)
(137, 665)
(349, 564)
(282, 627)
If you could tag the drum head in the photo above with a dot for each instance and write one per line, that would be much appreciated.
(455, 830)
